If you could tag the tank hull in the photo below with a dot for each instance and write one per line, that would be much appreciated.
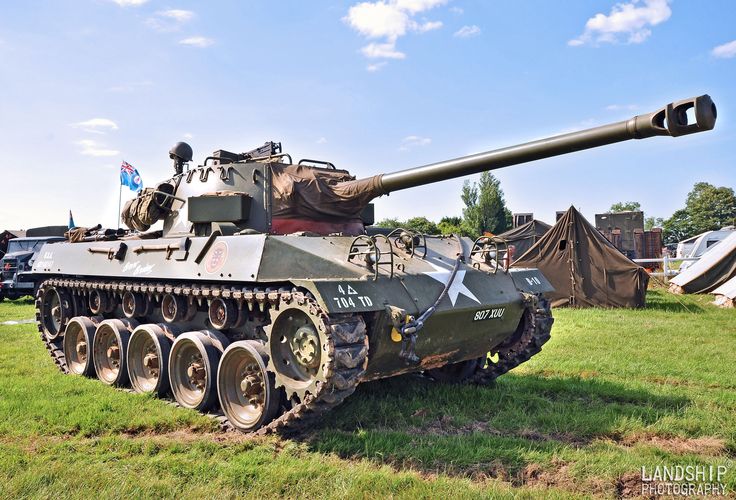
(482, 308)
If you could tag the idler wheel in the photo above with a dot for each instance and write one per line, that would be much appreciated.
(135, 305)
(148, 359)
(56, 311)
(173, 308)
(246, 390)
(78, 339)
(223, 313)
(193, 366)
(100, 302)
(109, 349)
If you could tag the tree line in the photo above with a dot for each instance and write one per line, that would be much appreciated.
(707, 208)
(485, 212)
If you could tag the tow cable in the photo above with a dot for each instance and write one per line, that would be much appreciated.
(412, 326)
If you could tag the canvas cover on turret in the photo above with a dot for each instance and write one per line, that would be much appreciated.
(584, 267)
(320, 193)
(715, 267)
(525, 236)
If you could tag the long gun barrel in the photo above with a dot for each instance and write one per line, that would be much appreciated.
(671, 120)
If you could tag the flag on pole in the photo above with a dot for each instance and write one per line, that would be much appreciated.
(72, 225)
(130, 177)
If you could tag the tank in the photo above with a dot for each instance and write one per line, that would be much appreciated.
(266, 298)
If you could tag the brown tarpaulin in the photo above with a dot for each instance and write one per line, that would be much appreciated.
(584, 267)
(318, 193)
(525, 236)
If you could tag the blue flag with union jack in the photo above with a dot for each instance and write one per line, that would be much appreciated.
(130, 177)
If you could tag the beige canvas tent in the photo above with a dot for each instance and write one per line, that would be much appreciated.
(715, 267)
(584, 267)
(726, 294)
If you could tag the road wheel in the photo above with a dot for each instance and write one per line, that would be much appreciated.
(109, 350)
(78, 340)
(148, 359)
(247, 393)
(193, 368)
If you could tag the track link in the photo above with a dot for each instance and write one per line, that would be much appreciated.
(521, 348)
(347, 346)
(54, 347)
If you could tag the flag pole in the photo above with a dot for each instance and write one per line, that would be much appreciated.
(120, 199)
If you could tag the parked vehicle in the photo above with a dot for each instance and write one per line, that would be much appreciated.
(697, 245)
(17, 264)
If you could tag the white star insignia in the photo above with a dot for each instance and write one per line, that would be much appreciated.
(458, 287)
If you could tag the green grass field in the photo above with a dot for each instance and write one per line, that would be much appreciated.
(614, 390)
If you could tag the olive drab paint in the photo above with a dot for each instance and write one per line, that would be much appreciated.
(253, 243)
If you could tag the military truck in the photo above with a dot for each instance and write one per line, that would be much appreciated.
(263, 295)
(16, 266)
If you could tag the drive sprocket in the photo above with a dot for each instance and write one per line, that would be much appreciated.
(301, 352)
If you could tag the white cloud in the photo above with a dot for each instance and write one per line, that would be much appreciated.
(413, 141)
(416, 6)
(390, 20)
(321, 140)
(725, 51)
(130, 3)
(428, 26)
(92, 148)
(376, 20)
(467, 31)
(629, 21)
(382, 50)
(188, 135)
(372, 68)
(197, 41)
(177, 14)
(621, 107)
(169, 20)
(96, 125)
(456, 10)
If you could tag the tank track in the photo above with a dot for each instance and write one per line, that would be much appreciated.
(347, 346)
(521, 348)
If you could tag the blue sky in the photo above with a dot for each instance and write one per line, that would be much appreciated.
(371, 86)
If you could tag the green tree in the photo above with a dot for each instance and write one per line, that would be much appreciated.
(421, 225)
(450, 225)
(485, 208)
(678, 227)
(625, 206)
(652, 222)
(509, 217)
(706, 208)
(416, 224)
(392, 223)
(711, 207)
